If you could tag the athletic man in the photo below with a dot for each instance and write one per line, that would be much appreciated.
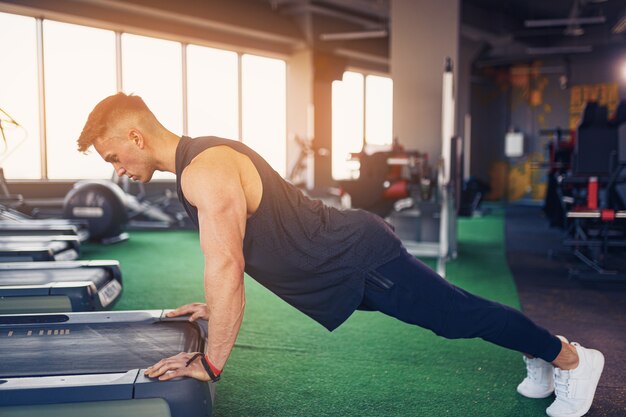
(325, 262)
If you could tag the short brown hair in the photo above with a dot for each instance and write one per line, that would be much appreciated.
(106, 114)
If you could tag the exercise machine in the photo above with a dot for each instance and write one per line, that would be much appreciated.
(57, 286)
(110, 209)
(101, 204)
(39, 248)
(560, 149)
(43, 228)
(593, 196)
(13, 222)
(158, 211)
(78, 364)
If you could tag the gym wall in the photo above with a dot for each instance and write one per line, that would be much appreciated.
(530, 98)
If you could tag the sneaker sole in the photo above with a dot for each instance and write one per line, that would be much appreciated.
(536, 396)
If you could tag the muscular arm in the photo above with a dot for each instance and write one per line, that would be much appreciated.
(214, 187)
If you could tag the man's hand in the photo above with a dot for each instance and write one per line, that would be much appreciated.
(195, 310)
(175, 366)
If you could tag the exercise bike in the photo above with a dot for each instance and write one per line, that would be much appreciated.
(111, 208)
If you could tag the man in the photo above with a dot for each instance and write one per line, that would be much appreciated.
(325, 262)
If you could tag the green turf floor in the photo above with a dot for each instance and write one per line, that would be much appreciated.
(284, 364)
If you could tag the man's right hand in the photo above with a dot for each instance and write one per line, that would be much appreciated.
(195, 310)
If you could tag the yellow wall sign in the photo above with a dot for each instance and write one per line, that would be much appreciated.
(606, 94)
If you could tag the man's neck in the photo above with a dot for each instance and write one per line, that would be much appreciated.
(165, 155)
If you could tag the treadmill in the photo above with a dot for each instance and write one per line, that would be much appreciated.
(79, 364)
(39, 248)
(59, 286)
(43, 228)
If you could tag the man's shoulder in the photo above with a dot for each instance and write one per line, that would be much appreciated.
(208, 175)
(215, 157)
(219, 164)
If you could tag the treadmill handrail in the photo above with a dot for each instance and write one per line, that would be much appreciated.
(37, 239)
(70, 380)
(48, 285)
(134, 316)
(58, 264)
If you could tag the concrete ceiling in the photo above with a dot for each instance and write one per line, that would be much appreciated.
(512, 30)
(529, 29)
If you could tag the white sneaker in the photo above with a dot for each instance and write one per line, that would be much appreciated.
(539, 381)
(575, 388)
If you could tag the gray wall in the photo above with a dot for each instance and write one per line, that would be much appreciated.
(468, 51)
(420, 42)
(489, 123)
(499, 101)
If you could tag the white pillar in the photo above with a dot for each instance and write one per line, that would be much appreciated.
(299, 108)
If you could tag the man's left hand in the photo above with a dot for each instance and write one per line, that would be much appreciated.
(175, 367)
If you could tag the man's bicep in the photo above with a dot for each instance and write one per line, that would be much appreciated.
(221, 234)
(221, 204)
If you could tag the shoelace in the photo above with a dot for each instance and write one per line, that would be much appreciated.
(562, 380)
(561, 383)
(533, 368)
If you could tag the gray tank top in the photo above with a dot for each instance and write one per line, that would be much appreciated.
(312, 256)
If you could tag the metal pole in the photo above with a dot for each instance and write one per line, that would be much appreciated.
(185, 94)
(43, 142)
(119, 85)
(240, 96)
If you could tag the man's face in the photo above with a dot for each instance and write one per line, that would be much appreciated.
(126, 156)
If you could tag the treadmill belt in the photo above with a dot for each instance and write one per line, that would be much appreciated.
(72, 349)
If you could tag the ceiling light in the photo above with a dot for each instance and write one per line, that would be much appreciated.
(543, 23)
(559, 50)
(350, 36)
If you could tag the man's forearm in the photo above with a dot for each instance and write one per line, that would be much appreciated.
(225, 297)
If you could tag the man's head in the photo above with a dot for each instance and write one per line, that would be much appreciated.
(122, 128)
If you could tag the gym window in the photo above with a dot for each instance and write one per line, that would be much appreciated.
(192, 90)
(79, 70)
(361, 115)
(213, 91)
(264, 108)
(20, 156)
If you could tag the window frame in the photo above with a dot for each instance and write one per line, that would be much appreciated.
(184, 42)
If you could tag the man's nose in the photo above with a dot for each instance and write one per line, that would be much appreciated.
(120, 171)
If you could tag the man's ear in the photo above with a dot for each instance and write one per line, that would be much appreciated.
(137, 137)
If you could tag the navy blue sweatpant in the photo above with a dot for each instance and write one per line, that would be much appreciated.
(410, 291)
